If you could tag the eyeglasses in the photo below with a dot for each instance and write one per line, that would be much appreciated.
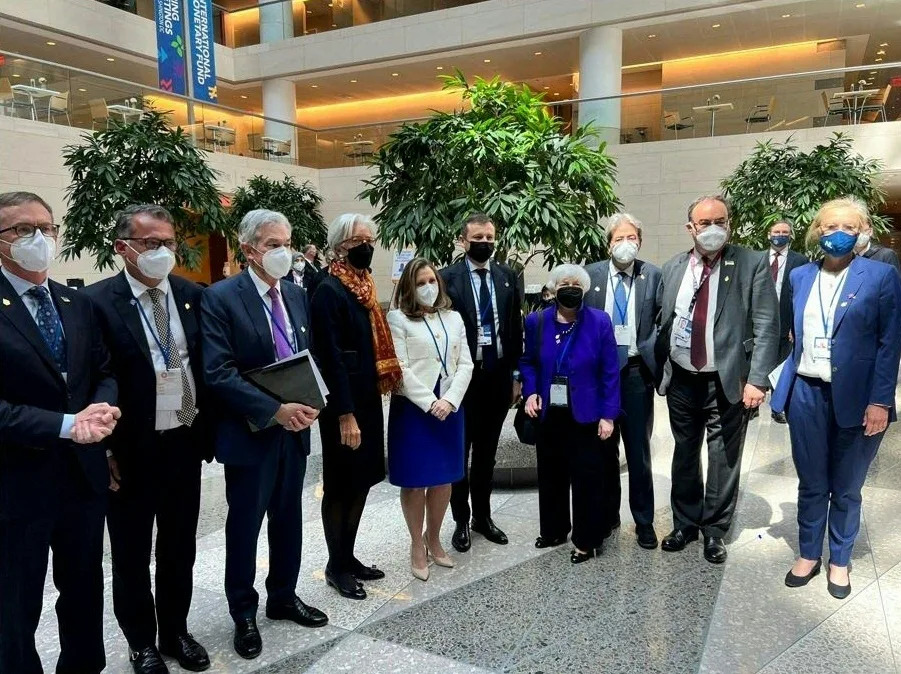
(703, 224)
(152, 244)
(23, 231)
(358, 240)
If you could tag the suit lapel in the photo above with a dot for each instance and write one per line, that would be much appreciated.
(673, 283)
(126, 305)
(848, 292)
(188, 317)
(253, 303)
(640, 288)
(601, 283)
(502, 290)
(292, 306)
(727, 272)
(72, 326)
(464, 290)
(14, 310)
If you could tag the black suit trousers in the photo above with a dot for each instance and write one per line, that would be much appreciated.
(697, 405)
(485, 408)
(74, 532)
(635, 427)
(162, 485)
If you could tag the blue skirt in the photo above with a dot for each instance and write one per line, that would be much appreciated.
(422, 450)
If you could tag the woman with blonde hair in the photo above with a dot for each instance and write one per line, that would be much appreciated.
(425, 424)
(838, 386)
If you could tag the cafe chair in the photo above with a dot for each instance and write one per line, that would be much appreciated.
(281, 148)
(256, 145)
(760, 113)
(879, 107)
(833, 109)
(99, 113)
(59, 105)
(8, 99)
(673, 121)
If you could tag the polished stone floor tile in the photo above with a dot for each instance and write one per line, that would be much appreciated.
(881, 512)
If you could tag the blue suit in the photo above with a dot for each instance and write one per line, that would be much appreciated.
(830, 450)
(264, 470)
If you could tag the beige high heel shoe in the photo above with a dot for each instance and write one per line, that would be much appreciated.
(443, 560)
(420, 572)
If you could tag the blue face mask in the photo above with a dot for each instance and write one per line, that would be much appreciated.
(838, 243)
(780, 240)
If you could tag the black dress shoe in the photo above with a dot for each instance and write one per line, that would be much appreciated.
(489, 530)
(791, 580)
(714, 549)
(838, 591)
(462, 539)
(779, 418)
(677, 539)
(542, 542)
(148, 661)
(362, 572)
(647, 537)
(190, 654)
(577, 557)
(298, 612)
(248, 642)
(346, 584)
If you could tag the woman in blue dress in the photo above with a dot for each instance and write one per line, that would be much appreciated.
(425, 424)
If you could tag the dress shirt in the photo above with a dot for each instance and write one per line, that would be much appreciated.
(828, 284)
(610, 303)
(165, 419)
(21, 286)
(690, 281)
(476, 287)
(263, 289)
(783, 256)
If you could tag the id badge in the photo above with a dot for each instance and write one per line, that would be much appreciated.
(682, 333)
(560, 391)
(822, 348)
(484, 336)
(621, 332)
(169, 391)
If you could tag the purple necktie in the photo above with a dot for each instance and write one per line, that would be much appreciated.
(279, 331)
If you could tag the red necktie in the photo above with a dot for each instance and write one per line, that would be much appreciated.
(699, 321)
(774, 267)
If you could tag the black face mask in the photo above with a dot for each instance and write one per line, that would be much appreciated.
(360, 257)
(570, 297)
(480, 251)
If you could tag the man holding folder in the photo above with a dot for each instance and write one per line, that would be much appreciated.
(250, 321)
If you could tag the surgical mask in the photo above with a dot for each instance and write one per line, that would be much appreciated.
(780, 240)
(156, 263)
(838, 243)
(863, 240)
(276, 262)
(34, 253)
(299, 266)
(570, 297)
(361, 256)
(427, 294)
(712, 238)
(625, 251)
(480, 251)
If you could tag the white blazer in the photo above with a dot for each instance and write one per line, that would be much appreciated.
(420, 361)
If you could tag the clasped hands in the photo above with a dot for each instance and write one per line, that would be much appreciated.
(295, 416)
(533, 409)
(441, 409)
(94, 423)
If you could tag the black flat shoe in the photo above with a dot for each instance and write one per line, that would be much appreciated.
(791, 580)
(577, 557)
(148, 661)
(298, 612)
(542, 542)
(462, 539)
(363, 572)
(489, 530)
(647, 537)
(346, 584)
(714, 549)
(839, 591)
(779, 418)
(190, 654)
(248, 642)
(677, 539)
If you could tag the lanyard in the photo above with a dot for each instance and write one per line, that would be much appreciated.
(839, 282)
(563, 349)
(291, 342)
(622, 311)
(482, 313)
(167, 353)
(435, 342)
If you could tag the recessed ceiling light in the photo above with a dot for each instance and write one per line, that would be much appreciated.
(873, 72)
(546, 88)
(353, 81)
(439, 67)
(556, 93)
(537, 53)
(110, 59)
(878, 60)
(881, 52)
(395, 74)
(314, 86)
(786, 16)
(51, 43)
(309, 11)
(716, 25)
(487, 60)
(243, 96)
(14, 75)
(883, 44)
(860, 5)
(652, 36)
(82, 90)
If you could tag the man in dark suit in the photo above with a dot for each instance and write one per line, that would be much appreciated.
(627, 289)
(248, 321)
(868, 248)
(151, 323)
(718, 342)
(56, 389)
(782, 259)
(489, 297)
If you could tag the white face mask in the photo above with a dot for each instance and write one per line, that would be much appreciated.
(427, 294)
(863, 240)
(34, 253)
(625, 251)
(277, 262)
(299, 266)
(156, 263)
(713, 238)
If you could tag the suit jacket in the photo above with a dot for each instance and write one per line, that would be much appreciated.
(866, 340)
(591, 364)
(882, 254)
(34, 462)
(236, 337)
(510, 295)
(123, 331)
(793, 260)
(646, 294)
(745, 329)
(420, 362)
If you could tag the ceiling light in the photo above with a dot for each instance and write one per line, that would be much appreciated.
(314, 86)
(244, 97)
(395, 74)
(82, 90)
(353, 81)
(487, 60)
(14, 75)
(873, 72)
(716, 25)
(878, 60)
(110, 59)
(51, 43)
(546, 88)
(860, 5)
(786, 16)
(881, 52)
(883, 44)
(334, 25)
(556, 93)
(652, 36)
(537, 53)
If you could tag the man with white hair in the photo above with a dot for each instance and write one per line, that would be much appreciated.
(628, 290)
(249, 321)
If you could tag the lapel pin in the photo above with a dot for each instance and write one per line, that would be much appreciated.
(726, 280)
(6, 302)
(641, 276)
(187, 305)
(64, 299)
(506, 284)
(303, 328)
(597, 289)
(844, 304)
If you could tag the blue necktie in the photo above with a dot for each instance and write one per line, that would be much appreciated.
(49, 325)
(621, 314)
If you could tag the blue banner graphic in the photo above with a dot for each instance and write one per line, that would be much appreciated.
(203, 58)
(170, 46)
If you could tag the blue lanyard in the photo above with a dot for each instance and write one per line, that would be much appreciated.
(482, 312)
(623, 311)
(838, 286)
(167, 353)
(291, 342)
(563, 349)
(435, 342)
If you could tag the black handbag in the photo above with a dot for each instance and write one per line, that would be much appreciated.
(525, 426)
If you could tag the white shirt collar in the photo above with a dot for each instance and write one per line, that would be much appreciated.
(475, 265)
(261, 285)
(138, 288)
(782, 253)
(20, 285)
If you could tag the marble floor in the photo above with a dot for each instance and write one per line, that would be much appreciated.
(517, 609)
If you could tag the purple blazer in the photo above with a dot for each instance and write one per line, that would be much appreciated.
(591, 365)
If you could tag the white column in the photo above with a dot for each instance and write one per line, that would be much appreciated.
(600, 74)
(280, 103)
(276, 22)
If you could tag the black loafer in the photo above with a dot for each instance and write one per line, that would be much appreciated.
(489, 530)
(838, 591)
(297, 612)
(647, 537)
(577, 557)
(367, 573)
(779, 418)
(190, 654)
(542, 542)
(791, 580)
(346, 584)
(714, 550)
(248, 642)
(677, 539)
(462, 539)
(148, 661)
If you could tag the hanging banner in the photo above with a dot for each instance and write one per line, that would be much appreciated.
(203, 58)
(170, 46)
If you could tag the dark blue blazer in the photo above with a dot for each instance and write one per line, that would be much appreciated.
(591, 364)
(236, 338)
(866, 339)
